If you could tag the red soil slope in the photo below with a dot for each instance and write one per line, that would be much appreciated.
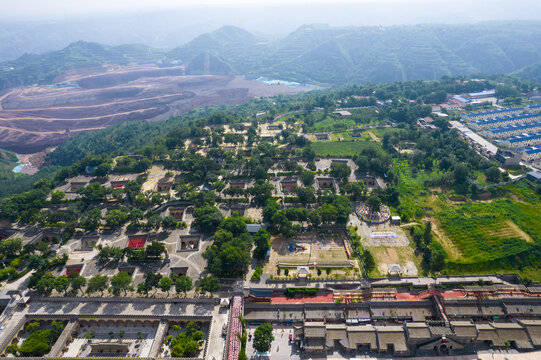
(36, 117)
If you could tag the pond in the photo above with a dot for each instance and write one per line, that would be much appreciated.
(269, 81)
(18, 168)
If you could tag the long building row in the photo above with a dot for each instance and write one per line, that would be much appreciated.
(512, 130)
(453, 322)
(521, 140)
(503, 121)
(479, 115)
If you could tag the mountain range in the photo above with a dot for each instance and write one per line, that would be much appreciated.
(320, 54)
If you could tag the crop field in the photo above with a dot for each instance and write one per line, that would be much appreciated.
(485, 232)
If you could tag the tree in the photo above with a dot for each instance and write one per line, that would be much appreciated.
(270, 209)
(305, 194)
(45, 284)
(121, 282)
(368, 261)
(207, 217)
(262, 192)
(263, 337)
(183, 284)
(260, 173)
(374, 203)
(493, 174)
(93, 192)
(460, 173)
(36, 262)
(155, 250)
(234, 224)
(152, 280)
(209, 284)
(169, 222)
(92, 221)
(61, 283)
(329, 213)
(37, 343)
(154, 222)
(340, 171)
(165, 284)
(357, 190)
(77, 283)
(262, 244)
(427, 235)
(103, 169)
(97, 283)
(315, 218)
(115, 218)
(437, 261)
(307, 178)
(11, 246)
(57, 196)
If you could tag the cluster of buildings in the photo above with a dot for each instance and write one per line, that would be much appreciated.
(516, 131)
(406, 323)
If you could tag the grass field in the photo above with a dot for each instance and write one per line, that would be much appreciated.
(341, 148)
(359, 117)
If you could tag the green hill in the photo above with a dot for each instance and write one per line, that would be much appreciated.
(43, 68)
(339, 55)
(319, 54)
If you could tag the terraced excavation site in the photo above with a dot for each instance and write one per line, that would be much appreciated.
(33, 118)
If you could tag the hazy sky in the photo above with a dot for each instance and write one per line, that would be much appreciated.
(514, 9)
(38, 26)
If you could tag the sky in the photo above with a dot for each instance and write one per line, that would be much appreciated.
(37, 26)
(68, 8)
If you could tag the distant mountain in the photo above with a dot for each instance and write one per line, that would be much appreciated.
(338, 55)
(236, 46)
(206, 63)
(30, 68)
(320, 54)
(531, 72)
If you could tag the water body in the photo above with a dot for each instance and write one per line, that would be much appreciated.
(63, 85)
(269, 81)
(17, 169)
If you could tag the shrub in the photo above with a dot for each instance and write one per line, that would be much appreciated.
(37, 344)
(257, 274)
(291, 292)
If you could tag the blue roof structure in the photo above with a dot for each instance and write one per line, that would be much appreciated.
(525, 126)
(516, 117)
(494, 112)
(530, 149)
(461, 99)
(523, 137)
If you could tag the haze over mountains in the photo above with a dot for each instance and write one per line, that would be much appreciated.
(26, 26)
(318, 54)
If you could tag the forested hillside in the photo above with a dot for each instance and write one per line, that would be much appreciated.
(30, 68)
(320, 54)
(324, 54)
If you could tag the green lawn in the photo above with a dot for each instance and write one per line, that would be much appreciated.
(341, 148)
